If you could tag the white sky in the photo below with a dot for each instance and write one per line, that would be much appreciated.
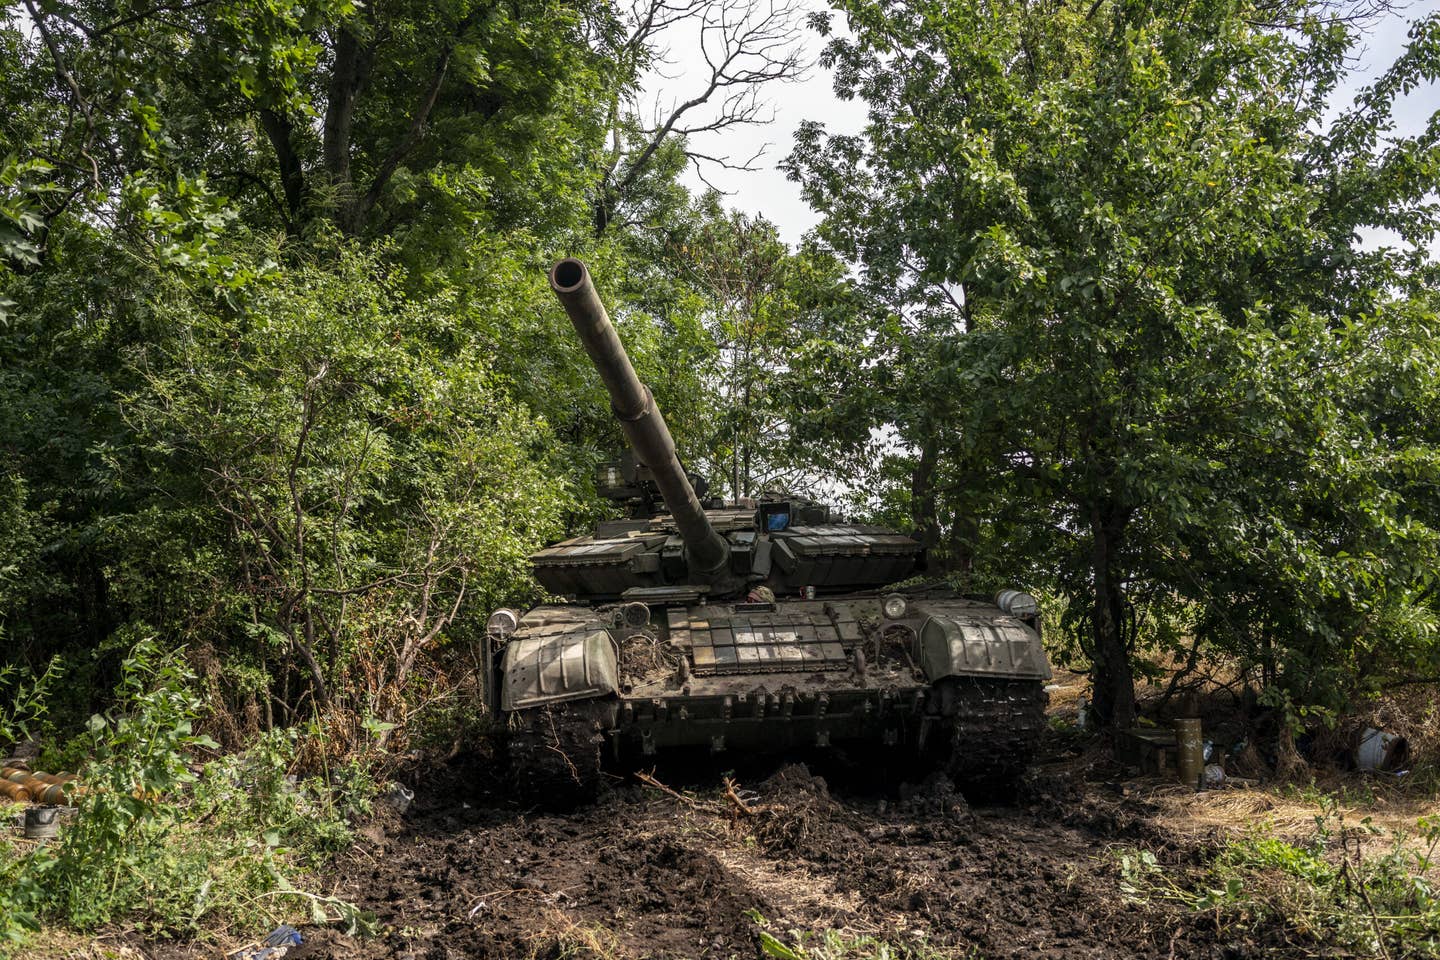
(767, 192)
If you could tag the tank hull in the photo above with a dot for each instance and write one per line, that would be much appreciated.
(954, 682)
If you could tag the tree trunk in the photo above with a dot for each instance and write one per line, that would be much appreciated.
(345, 80)
(352, 215)
(922, 494)
(292, 176)
(964, 531)
(965, 522)
(1289, 765)
(600, 213)
(1114, 685)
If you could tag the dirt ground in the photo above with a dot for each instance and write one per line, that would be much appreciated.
(644, 873)
(695, 864)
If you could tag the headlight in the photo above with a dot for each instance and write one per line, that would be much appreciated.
(1017, 603)
(502, 623)
(895, 607)
(635, 614)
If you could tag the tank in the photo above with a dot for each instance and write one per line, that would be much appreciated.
(745, 626)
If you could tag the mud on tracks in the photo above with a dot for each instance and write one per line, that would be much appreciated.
(644, 874)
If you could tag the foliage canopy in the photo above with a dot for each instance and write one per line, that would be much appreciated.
(1131, 321)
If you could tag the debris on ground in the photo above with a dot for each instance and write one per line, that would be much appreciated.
(396, 798)
(797, 815)
(935, 796)
(1379, 750)
(1213, 777)
(21, 784)
(275, 946)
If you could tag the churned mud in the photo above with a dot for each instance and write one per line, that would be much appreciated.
(664, 870)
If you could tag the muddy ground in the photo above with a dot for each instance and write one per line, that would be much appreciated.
(643, 873)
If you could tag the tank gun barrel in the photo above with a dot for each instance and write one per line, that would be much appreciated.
(639, 417)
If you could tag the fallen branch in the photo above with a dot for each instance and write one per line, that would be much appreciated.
(735, 798)
(649, 780)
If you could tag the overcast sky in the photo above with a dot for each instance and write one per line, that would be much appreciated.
(767, 192)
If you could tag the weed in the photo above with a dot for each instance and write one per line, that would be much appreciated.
(1354, 792)
(108, 856)
(166, 843)
(61, 753)
(20, 897)
(562, 938)
(27, 696)
(1328, 889)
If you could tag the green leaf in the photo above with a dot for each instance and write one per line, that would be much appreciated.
(772, 947)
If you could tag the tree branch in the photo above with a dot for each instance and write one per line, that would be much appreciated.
(63, 72)
(361, 208)
(146, 14)
(743, 43)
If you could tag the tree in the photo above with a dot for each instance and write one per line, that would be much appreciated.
(281, 378)
(746, 47)
(359, 487)
(742, 268)
(1129, 256)
(378, 118)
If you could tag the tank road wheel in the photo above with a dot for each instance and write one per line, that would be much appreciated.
(555, 754)
(995, 730)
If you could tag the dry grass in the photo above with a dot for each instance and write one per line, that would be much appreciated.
(1066, 689)
(557, 935)
(1391, 805)
(56, 944)
(1186, 811)
(1287, 811)
(644, 658)
(805, 899)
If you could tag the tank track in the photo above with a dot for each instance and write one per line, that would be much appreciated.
(995, 729)
(554, 755)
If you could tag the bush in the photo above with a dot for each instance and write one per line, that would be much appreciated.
(1370, 905)
(360, 491)
(165, 843)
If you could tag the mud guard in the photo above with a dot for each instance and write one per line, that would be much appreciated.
(989, 647)
(579, 664)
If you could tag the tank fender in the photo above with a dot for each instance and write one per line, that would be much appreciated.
(998, 646)
(577, 664)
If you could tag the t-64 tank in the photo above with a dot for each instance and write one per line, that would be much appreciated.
(746, 626)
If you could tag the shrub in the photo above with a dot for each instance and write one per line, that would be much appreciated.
(164, 842)
(1328, 889)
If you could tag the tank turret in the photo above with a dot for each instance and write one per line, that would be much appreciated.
(789, 545)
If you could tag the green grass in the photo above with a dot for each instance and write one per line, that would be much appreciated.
(1326, 889)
